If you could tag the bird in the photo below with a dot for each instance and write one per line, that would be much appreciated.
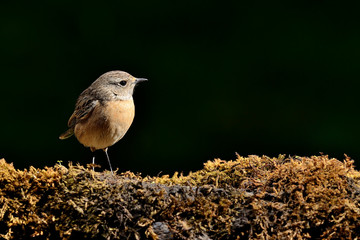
(104, 112)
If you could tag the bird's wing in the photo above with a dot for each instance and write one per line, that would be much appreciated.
(84, 106)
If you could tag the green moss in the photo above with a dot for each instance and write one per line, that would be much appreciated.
(250, 197)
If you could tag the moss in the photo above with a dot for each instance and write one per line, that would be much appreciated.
(251, 197)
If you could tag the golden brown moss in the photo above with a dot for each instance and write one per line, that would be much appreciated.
(251, 197)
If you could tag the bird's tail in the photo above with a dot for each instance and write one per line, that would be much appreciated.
(67, 134)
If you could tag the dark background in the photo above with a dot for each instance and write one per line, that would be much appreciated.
(224, 77)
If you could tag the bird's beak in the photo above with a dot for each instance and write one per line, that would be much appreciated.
(140, 80)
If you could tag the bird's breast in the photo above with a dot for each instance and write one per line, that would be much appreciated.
(107, 124)
(118, 115)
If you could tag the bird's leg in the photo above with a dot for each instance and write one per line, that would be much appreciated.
(93, 159)
(107, 156)
(93, 162)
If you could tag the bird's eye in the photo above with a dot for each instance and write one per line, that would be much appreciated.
(123, 83)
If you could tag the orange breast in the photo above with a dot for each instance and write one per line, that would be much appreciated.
(106, 125)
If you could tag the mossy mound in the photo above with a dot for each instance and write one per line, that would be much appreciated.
(249, 198)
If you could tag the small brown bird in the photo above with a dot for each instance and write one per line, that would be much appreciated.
(104, 111)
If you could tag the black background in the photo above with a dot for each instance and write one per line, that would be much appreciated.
(224, 77)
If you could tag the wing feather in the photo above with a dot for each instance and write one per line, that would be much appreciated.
(84, 106)
(82, 110)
